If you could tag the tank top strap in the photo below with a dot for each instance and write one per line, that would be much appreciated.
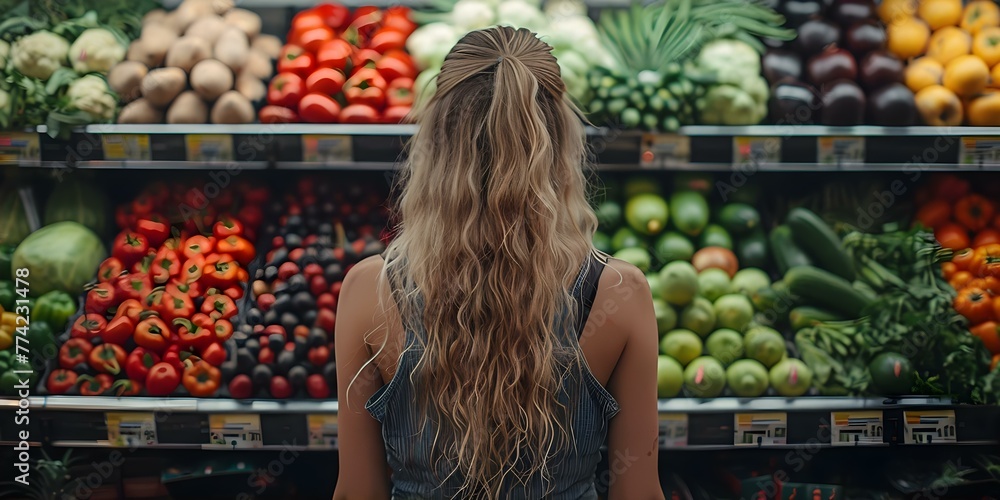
(585, 289)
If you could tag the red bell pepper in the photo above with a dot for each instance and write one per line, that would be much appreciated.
(396, 64)
(227, 225)
(60, 381)
(153, 334)
(319, 108)
(386, 39)
(252, 216)
(124, 218)
(143, 264)
(396, 114)
(397, 18)
(201, 379)
(131, 309)
(143, 204)
(335, 54)
(154, 227)
(156, 301)
(126, 387)
(305, 20)
(277, 114)
(119, 330)
(334, 15)
(73, 352)
(400, 92)
(87, 326)
(100, 298)
(139, 362)
(191, 269)
(196, 332)
(96, 385)
(197, 245)
(214, 354)
(363, 58)
(134, 286)
(359, 113)
(366, 86)
(162, 379)
(295, 59)
(110, 269)
(313, 38)
(166, 265)
(239, 248)
(129, 247)
(234, 292)
(286, 90)
(219, 306)
(177, 303)
(364, 21)
(327, 81)
(223, 330)
(192, 290)
(220, 271)
(107, 358)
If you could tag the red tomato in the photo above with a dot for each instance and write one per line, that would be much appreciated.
(985, 237)
(327, 81)
(319, 108)
(952, 236)
(934, 214)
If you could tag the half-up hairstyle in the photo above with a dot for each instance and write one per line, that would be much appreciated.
(494, 225)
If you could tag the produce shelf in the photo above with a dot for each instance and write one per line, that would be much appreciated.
(778, 148)
(686, 424)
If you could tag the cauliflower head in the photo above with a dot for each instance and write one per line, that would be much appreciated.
(91, 95)
(95, 50)
(4, 53)
(39, 54)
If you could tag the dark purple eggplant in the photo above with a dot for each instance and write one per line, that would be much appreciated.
(843, 103)
(778, 64)
(797, 12)
(880, 68)
(793, 103)
(865, 36)
(815, 35)
(848, 12)
(893, 106)
(832, 64)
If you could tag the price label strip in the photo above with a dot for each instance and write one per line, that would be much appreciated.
(327, 149)
(209, 147)
(857, 428)
(840, 150)
(322, 431)
(673, 430)
(19, 147)
(122, 147)
(233, 431)
(664, 150)
(760, 429)
(131, 429)
(980, 151)
(766, 150)
(929, 426)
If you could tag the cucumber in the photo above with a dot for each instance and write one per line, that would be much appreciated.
(826, 290)
(806, 316)
(751, 250)
(818, 240)
(786, 253)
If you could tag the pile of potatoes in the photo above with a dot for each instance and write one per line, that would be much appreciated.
(204, 62)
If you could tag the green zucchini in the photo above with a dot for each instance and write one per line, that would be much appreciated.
(751, 249)
(786, 253)
(816, 237)
(826, 290)
(806, 316)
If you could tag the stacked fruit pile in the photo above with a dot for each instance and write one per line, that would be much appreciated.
(285, 347)
(162, 308)
(837, 71)
(339, 66)
(41, 316)
(951, 51)
(202, 62)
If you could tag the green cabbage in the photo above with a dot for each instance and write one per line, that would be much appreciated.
(61, 256)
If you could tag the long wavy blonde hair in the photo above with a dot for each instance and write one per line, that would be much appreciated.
(494, 224)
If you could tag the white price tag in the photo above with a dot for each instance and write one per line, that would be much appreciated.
(119, 147)
(322, 431)
(209, 147)
(664, 150)
(673, 430)
(237, 430)
(929, 426)
(840, 150)
(760, 429)
(759, 150)
(856, 428)
(326, 148)
(980, 151)
(131, 429)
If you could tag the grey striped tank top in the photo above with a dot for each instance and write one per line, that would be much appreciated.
(407, 445)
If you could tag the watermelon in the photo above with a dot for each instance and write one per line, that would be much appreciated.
(13, 218)
(78, 201)
(61, 256)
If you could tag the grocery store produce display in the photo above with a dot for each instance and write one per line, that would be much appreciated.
(284, 347)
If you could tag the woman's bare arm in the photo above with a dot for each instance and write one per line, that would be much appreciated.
(363, 468)
(633, 440)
